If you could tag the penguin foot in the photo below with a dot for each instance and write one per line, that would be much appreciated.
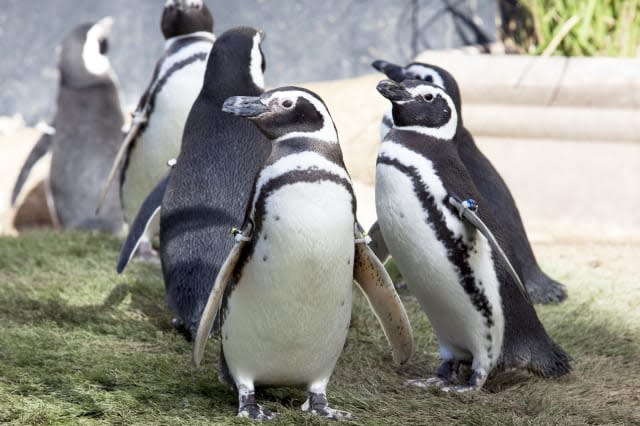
(250, 409)
(448, 371)
(318, 405)
(546, 291)
(181, 327)
(478, 377)
(146, 254)
(436, 382)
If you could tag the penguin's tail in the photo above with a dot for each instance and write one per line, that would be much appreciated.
(542, 288)
(539, 355)
(553, 362)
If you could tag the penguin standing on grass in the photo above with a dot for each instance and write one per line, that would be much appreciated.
(541, 288)
(287, 284)
(206, 191)
(87, 123)
(156, 131)
(456, 262)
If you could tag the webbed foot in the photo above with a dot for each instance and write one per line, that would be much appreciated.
(318, 405)
(250, 409)
(146, 253)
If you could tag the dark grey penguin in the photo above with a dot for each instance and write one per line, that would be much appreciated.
(541, 288)
(479, 313)
(208, 187)
(287, 284)
(88, 122)
(157, 125)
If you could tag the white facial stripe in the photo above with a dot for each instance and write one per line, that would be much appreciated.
(199, 34)
(428, 176)
(328, 131)
(423, 72)
(255, 66)
(95, 62)
(301, 161)
(446, 132)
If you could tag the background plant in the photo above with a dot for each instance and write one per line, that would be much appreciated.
(572, 27)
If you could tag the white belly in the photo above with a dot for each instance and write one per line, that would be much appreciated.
(430, 275)
(161, 140)
(288, 317)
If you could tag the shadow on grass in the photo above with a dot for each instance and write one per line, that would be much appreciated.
(583, 333)
(147, 296)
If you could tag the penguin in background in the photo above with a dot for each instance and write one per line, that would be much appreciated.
(286, 286)
(205, 193)
(541, 288)
(453, 252)
(87, 123)
(158, 122)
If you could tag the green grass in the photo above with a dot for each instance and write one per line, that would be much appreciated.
(576, 27)
(81, 345)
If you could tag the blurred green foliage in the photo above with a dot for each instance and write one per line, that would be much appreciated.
(573, 27)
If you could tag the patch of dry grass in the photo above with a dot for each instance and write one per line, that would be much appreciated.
(82, 345)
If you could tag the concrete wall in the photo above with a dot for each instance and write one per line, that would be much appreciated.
(307, 40)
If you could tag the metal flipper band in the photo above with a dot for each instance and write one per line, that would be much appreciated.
(242, 234)
(361, 237)
(140, 116)
(467, 209)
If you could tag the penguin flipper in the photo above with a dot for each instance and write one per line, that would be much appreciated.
(215, 298)
(137, 123)
(466, 209)
(148, 211)
(375, 283)
(377, 243)
(39, 150)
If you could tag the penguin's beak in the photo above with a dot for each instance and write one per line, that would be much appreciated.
(393, 91)
(393, 71)
(245, 106)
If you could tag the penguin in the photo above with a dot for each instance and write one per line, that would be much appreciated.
(541, 288)
(205, 192)
(158, 122)
(455, 263)
(286, 287)
(87, 122)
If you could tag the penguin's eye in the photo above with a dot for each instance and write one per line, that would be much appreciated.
(428, 97)
(104, 46)
(287, 103)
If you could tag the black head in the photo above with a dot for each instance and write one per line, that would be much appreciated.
(181, 17)
(285, 113)
(236, 62)
(82, 56)
(423, 72)
(422, 107)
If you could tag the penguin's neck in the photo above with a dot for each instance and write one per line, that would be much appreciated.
(198, 34)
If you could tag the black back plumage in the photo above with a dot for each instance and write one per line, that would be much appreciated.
(500, 201)
(211, 182)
